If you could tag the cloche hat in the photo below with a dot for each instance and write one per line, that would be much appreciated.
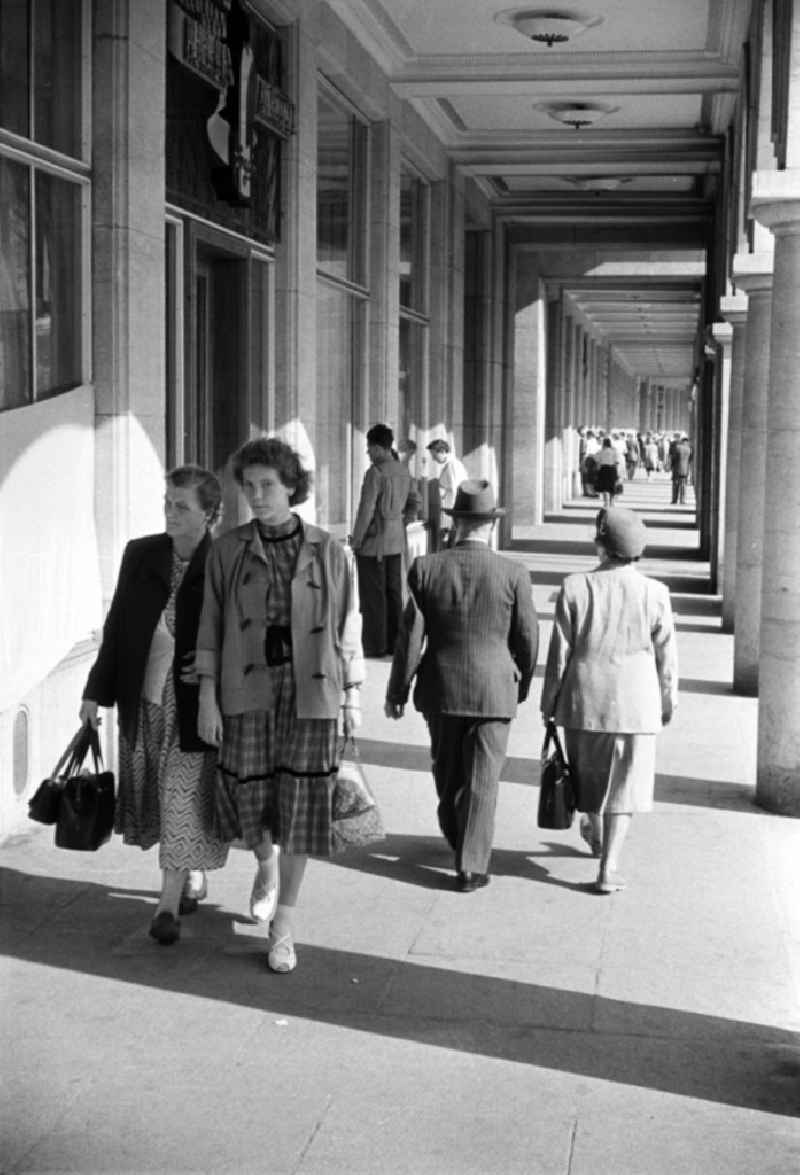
(621, 532)
(475, 499)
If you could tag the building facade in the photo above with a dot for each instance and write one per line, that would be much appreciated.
(222, 218)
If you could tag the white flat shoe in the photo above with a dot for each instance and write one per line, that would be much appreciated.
(281, 956)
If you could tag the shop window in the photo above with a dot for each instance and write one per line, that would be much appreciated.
(414, 321)
(413, 241)
(340, 345)
(43, 199)
(341, 191)
(342, 299)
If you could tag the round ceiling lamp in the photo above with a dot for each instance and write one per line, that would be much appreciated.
(548, 26)
(577, 114)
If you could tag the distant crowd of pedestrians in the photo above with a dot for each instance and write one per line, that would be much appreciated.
(609, 458)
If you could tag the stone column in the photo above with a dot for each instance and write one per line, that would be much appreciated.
(722, 333)
(128, 102)
(734, 311)
(752, 273)
(554, 405)
(776, 204)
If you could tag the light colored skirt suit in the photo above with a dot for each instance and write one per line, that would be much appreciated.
(611, 681)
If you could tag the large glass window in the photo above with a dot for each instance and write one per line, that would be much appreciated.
(413, 241)
(14, 67)
(42, 205)
(58, 269)
(414, 321)
(340, 330)
(341, 191)
(342, 300)
(15, 285)
(57, 74)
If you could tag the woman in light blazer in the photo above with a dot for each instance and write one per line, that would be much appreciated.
(612, 681)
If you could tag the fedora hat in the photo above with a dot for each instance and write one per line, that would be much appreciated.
(475, 499)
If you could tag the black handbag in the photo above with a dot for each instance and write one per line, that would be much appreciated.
(86, 811)
(44, 803)
(356, 818)
(556, 795)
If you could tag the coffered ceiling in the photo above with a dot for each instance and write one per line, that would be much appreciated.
(665, 73)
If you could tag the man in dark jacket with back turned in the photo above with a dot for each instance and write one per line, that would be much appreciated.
(470, 635)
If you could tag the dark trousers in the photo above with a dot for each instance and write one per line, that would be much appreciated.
(678, 488)
(468, 755)
(380, 589)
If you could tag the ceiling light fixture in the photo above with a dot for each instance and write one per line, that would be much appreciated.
(548, 26)
(576, 114)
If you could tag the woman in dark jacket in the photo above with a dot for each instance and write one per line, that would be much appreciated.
(146, 667)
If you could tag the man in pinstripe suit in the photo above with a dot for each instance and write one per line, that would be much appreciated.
(470, 634)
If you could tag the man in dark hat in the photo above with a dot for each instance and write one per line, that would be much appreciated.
(470, 635)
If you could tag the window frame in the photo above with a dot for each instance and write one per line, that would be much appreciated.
(76, 170)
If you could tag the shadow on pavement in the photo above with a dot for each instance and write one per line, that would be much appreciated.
(428, 862)
(97, 930)
(670, 789)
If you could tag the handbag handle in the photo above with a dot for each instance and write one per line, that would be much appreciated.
(551, 735)
(68, 753)
(86, 740)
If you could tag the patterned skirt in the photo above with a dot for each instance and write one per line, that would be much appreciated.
(612, 773)
(276, 773)
(166, 795)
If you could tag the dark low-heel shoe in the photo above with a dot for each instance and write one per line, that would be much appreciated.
(165, 928)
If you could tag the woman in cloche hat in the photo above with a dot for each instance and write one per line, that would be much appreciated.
(612, 682)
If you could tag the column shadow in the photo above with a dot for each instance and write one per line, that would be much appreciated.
(97, 930)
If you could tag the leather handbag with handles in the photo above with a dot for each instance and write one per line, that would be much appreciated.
(86, 811)
(45, 802)
(556, 794)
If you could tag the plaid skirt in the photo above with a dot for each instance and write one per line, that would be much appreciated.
(276, 773)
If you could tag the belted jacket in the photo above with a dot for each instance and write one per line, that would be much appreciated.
(325, 623)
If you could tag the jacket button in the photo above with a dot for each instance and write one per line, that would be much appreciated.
(245, 623)
(246, 577)
(319, 628)
(248, 669)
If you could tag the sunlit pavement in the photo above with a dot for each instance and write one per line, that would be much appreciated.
(530, 1027)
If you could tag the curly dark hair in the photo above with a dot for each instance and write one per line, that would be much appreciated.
(275, 455)
(205, 485)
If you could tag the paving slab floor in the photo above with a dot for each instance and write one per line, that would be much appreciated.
(531, 1027)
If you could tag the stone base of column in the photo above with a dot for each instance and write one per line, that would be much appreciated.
(778, 790)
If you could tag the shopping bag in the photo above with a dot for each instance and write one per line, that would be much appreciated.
(86, 812)
(556, 795)
(356, 819)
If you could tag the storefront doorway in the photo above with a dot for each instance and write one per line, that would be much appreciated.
(219, 355)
